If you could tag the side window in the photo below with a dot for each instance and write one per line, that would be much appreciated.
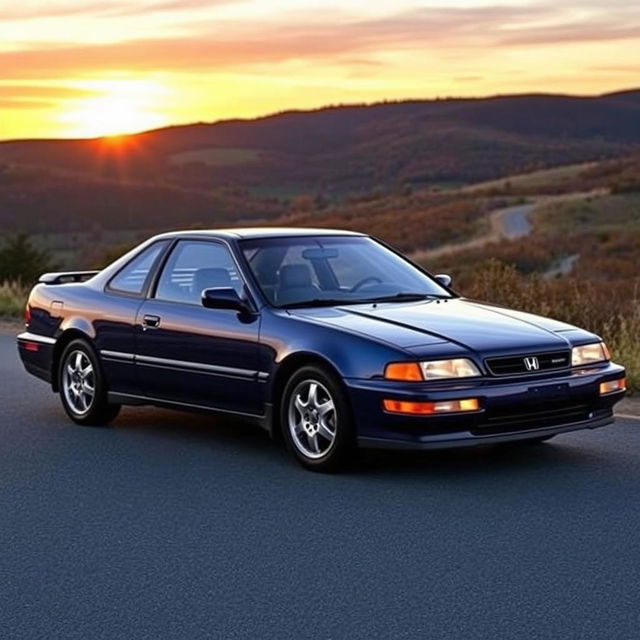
(131, 279)
(195, 265)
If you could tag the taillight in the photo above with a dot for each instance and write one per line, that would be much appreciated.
(27, 315)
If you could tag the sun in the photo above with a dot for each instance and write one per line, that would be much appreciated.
(119, 107)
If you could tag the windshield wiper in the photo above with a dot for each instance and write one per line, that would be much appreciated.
(408, 297)
(396, 297)
(318, 302)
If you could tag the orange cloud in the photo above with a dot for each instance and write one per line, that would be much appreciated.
(239, 43)
(237, 62)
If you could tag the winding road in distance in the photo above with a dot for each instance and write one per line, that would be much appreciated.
(514, 222)
(509, 223)
(176, 526)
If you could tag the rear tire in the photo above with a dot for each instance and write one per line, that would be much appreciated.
(316, 420)
(82, 386)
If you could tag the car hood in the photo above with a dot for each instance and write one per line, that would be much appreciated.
(479, 327)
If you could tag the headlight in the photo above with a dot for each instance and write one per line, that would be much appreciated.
(431, 370)
(589, 354)
(456, 368)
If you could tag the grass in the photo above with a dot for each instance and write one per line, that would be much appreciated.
(13, 297)
(625, 349)
(539, 180)
(589, 215)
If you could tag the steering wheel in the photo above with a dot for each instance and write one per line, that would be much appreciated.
(361, 283)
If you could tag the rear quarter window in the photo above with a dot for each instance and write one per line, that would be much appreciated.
(132, 278)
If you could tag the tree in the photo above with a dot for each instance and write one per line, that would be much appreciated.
(21, 261)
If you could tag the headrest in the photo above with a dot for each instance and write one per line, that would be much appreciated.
(210, 278)
(295, 275)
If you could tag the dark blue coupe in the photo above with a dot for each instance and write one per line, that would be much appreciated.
(329, 339)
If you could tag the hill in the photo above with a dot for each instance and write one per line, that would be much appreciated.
(254, 169)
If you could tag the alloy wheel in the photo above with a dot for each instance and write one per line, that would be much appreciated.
(312, 419)
(78, 382)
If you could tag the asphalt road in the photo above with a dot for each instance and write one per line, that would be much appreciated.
(515, 221)
(178, 526)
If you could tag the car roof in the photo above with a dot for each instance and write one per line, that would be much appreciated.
(252, 233)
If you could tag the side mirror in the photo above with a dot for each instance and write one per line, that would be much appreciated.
(223, 298)
(444, 279)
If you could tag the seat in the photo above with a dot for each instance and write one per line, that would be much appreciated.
(295, 284)
(209, 278)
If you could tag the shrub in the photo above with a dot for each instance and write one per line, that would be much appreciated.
(13, 297)
(21, 261)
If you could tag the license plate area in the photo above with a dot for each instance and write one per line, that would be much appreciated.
(548, 393)
(540, 407)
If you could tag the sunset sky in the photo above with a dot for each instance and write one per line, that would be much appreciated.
(93, 67)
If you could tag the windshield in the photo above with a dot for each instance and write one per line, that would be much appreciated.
(326, 270)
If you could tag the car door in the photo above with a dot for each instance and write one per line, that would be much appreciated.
(114, 312)
(186, 353)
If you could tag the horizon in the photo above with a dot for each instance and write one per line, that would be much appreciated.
(86, 69)
(323, 107)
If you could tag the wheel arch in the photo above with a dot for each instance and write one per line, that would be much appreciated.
(63, 340)
(285, 370)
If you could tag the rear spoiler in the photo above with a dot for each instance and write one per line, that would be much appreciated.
(66, 276)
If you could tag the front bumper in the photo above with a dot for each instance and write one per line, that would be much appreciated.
(533, 406)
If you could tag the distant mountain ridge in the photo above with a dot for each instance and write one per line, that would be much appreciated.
(359, 147)
(356, 112)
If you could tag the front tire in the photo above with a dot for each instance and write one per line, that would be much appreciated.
(316, 420)
(82, 386)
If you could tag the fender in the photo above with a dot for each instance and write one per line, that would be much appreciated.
(79, 324)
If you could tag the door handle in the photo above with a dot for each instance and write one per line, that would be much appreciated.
(150, 322)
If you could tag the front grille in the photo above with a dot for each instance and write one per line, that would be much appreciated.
(529, 364)
(518, 419)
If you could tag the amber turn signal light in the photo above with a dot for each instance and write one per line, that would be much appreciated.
(611, 386)
(403, 371)
(430, 408)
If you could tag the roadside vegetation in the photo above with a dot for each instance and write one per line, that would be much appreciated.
(13, 297)
(606, 213)
(617, 176)
(21, 262)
